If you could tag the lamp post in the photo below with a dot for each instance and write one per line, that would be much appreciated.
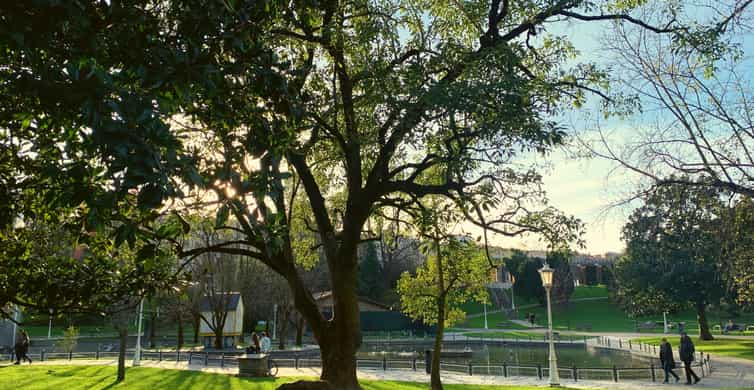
(546, 274)
(485, 316)
(49, 326)
(137, 351)
(513, 293)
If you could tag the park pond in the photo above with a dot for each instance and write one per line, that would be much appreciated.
(524, 354)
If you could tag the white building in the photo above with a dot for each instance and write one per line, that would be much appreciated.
(230, 303)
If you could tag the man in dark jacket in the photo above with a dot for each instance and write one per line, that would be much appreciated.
(22, 347)
(686, 353)
(667, 361)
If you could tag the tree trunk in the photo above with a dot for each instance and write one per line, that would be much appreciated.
(152, 330)
(219, 337)
(283, 328)
(435, 381)
(195, 324)
(300, 326)
(123, 335)
(179, 344)
(339, 363)
(701, 316)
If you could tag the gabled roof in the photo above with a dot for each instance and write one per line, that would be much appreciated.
(233, 299)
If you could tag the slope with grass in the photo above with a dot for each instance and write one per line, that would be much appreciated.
(740, 348)
(102, 377)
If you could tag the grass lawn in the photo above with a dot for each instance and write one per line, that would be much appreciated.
(603, 316)
(580, 292)
(102, 377)
(494, 320)
(740, 348)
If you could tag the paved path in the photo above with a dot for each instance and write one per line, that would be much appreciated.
(721, 379)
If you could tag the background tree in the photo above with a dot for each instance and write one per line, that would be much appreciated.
(370, 273)
(455, 272)
(673, 254)
(562, 284)
(696, 104)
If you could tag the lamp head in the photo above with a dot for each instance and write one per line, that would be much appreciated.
(546, 274)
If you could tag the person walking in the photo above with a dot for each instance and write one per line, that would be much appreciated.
(22, 347)
(667, 361)
(686, 353)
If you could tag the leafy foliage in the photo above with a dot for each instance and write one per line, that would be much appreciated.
(464, 272)
(673, 255)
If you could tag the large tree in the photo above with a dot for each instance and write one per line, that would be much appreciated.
(673, 255)
(241, 104)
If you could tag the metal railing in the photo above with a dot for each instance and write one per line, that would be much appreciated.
(230, 359)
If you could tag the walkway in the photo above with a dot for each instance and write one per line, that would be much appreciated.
(722, 378)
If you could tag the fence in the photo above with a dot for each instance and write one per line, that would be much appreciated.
(505, 369)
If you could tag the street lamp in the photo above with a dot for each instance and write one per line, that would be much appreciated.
(546, 274)
(137, 352)
(513, 293)
(49, 326)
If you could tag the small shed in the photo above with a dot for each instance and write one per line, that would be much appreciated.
(324, 301)
(232, 303)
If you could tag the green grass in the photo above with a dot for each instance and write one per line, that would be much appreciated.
(493, 320)
(102, 377)
(603, 316)
(581, 292)
(740, 348)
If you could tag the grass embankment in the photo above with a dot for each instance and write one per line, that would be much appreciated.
(590, 308)
(102, 377)
(740, 348)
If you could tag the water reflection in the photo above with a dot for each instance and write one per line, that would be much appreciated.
(513, 354)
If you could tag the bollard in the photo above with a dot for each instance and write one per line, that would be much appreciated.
(413, 364)
(471, 370)
(615, 373)
(629, 345)
(96, 356)
(70, 355)
(295, 362)
(575, 374)
(42, 358)
(652, 367)
(190, 356)
(620, 343)
(539, 371)
(177, 355)
(159, 355)
(505, 370)
(222, 359)
(206, 358)
(384, 363)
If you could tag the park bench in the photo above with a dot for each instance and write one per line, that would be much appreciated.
(584, 326)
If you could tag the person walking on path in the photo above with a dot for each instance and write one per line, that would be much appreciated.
(667, 361)
(686, 353)
(22, 347)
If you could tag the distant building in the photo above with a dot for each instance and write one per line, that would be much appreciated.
(324, 301)
(233, 328)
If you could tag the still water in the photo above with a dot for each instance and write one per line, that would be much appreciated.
(515, 354)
